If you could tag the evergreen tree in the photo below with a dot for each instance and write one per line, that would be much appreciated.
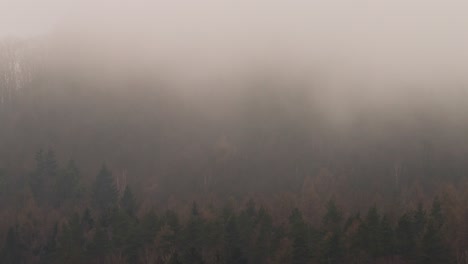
(50, 163)
(436, 213)
(263, 245)
(333, 217)
(68, 184)
(128, 202)
(121, 225)
(87, 220)
(420, 219)
(232, 243)
(37, 178)
(372, 234)
(49, 252)
(332, 244)
(406, 239)
(133, 243)
(387, 238)
(11, 253)
(104, 191)
(434, 251)
(193, 234)
(150, 225)
(332, 249)
(300, 253)
(246, 224)
(194, 256)
(100, 244)
(194, 229)
(175, 259)
(3, 182)
(71, 242)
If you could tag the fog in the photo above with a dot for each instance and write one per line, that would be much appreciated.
(233, 131)
(386, 55)
(403, 40)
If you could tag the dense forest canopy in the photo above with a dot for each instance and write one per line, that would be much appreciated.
(106, 156)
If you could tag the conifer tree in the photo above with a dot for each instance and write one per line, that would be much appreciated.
(373, 235)
(150, 225)
(420, 219)
(406, 239)
(104, 191)
(67, 187)
(100, 244)
(11, 253)
(434, 251)
(387, 238)
(332, 245)
(49, 252)
(233, 249)
(128, 202)
(436, 213)
(37, 178)
(300, 253)
(71, 242)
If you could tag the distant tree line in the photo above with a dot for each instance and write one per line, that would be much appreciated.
(109, 226)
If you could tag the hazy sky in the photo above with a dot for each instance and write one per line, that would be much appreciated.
(33, 16)
(403, 36)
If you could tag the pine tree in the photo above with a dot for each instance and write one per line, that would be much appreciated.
(37, 178)
(333, 217)
(128, 202)
(51, 165)
(87, 220)
(246, 223)
(71, 242)
(3, 182)
(387, 238)
(300, 253)
(49, 252)
(263, 244)
(150, 225)
(332, 244)
(193, 233)
(194, 256)
(373, 236)
(100, 244)
(434, 251)
(68, 184)
(232, 243)
(104, 191)
(420, 220)
(11, 253)
(436, 213)
(175, 259)
(406, 238)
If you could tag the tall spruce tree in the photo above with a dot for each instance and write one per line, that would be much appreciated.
(405, 236)
(11, 252)
(67, 187)
(128, 202)
(71, 242)
(105, 193)
(37, 178)
(434, 250)
(332, 244)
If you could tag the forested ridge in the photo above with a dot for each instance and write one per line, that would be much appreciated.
(101, 164)
(103, 223)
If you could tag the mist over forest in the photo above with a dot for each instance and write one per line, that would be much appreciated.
(197, 142)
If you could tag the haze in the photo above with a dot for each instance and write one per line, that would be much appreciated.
(405, 39)
(235, 132)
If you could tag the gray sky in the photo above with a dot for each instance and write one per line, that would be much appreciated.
(415, 37)
(26, 16)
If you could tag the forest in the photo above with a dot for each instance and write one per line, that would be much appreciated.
(102, 162)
